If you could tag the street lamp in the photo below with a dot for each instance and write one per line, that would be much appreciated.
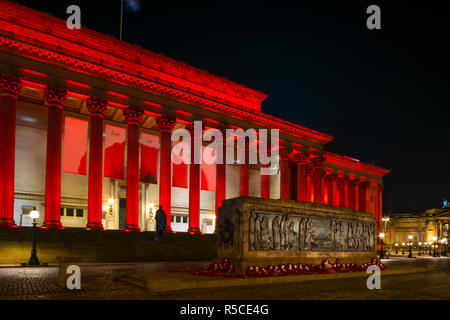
(434, 246)
(443, 242)
(381, 242)
(396, 248)
(410, 246)
(420, 248)
(403, 248)
(34, 261)
(429, 246)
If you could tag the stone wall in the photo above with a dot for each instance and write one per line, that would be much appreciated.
(254, 231)
(104, 246)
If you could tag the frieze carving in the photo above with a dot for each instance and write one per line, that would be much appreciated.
(294, 232)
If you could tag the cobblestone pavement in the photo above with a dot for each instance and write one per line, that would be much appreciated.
(97, 284)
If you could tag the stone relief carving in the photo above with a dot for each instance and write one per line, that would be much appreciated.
(292, 232)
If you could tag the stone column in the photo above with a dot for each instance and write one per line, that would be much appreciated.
(134, 118)
(300, 158)
(380, 208)
(221, 175)
(332, 189)
(317, 163)
(166, 124)
(194, 180)
(243, 176)
(341, 181)
(363, 196)
(55, 99)
(285, 173)
(265, 179)
(352, 193)
(10, 87)
(309, 183)
(97, 108)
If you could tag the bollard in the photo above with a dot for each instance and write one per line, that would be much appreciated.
(64, 263)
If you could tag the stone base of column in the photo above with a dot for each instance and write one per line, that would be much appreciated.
(49, 224)
(132, 227)
(94, 226)
(194, 230)
(7, 222)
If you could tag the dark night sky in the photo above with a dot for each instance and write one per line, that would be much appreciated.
(383, 94)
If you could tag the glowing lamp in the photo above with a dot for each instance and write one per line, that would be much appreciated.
(382, 235)
(110, 201)
(434, 238)
(396, 244)
(403, 243)
(420, 243)
(410, 237)
(34, 213)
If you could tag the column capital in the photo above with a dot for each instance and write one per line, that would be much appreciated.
(353, 182)
(364, 184)
(343, 180)
(97, 106)
(317, 161)
(284, 153)
(10, 84)
(195, 132)
(332, 177)
(133, 115)
(55, 96)
(301, 157)
(165, 122)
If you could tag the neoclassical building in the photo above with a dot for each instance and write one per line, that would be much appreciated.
(86, 124)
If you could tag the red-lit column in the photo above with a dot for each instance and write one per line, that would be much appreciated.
(309, 185)
(332, 189)
(243, 176)
(221, 175)
(352, 194)
(317, 163)
(134, 118)
(342, 185)
(194, 179)
(55, 99)
(10, 87)
(165, 124)
(265, 178)
(285, 173)
(380, 207)
(97, 108)
(301, 158)
(363, 196)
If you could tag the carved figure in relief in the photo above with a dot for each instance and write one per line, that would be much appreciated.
(371, 234)
(251, 231)
(291, 234)
(276, 233)
(350, 240)
(359, 233)
(257, 231)
(283, 233)
(265, 238)
(301, 233)
(334, 228)
(341, 236)
(309, 238)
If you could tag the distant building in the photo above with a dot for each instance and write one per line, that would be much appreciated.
(422, 226)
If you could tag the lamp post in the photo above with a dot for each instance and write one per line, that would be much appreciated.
(381, 242)
(434, 246)
(420, 248)
(396, 248)
(34, 261)
(429, 246)
(443, 242)
(403, 248)
(410, 246)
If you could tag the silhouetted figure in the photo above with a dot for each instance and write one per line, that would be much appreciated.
(161, 222)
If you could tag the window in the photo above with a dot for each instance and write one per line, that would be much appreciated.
(79, 213)
(149, 158)
(185, 219)
(69, 212)
(172, 219)
(114, 152)
(178, 219)
(61, 211)
(75, 146)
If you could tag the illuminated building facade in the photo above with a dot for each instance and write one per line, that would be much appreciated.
(86, 124)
